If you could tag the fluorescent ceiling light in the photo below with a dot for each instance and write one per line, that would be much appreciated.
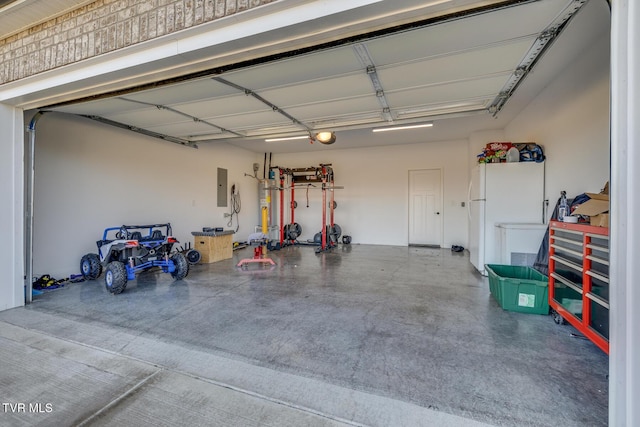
(287, 138)
(423, 125)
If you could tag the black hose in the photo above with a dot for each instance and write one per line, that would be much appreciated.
(235, 208)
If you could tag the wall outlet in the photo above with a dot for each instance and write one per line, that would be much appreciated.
(227, 215)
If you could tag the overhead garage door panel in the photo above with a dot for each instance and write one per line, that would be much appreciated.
(448, 93)
(466, 34)
(185, 129)
(356, 85)
(183, 92)
(240, 122)
(100, 107)
(335, 108)
(309, 67)
(227, 106)
(468, 65)
(461, 66)
(145, 117)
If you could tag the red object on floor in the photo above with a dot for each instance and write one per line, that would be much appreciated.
(258, 257)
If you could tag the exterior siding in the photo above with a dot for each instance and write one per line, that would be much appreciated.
(104, 26)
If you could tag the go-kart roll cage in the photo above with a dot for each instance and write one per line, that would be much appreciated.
(124, 229)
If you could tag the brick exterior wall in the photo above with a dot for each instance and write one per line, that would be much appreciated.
(104, 26)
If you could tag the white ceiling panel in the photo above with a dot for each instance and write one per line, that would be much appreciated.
(231, 105)
(347, 120)
(242, 122)
(185, 129)
(271, 131)
(443, 94)
(146, 117)
(466, 34)
(461, 66)
(323, 110)
(336, 88)
(100, 107)
(501, 59)
(204, 88)
(307, 67)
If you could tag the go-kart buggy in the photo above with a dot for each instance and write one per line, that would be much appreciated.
(129, 249)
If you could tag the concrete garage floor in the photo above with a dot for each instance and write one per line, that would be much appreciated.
(361, 335)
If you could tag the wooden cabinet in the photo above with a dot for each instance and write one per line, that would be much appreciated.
(213, 247)
(579, 279)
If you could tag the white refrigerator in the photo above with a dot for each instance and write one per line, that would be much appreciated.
(502, 193)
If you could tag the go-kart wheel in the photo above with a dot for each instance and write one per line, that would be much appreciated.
(90, 266)
(182, 266)
(115, 277)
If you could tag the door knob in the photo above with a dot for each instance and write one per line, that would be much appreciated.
(437, 213)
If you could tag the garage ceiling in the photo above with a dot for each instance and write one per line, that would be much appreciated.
(461, 66)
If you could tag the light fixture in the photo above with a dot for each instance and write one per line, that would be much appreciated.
(287, 138)
(423, 125)
(325, 137)
(322, 137)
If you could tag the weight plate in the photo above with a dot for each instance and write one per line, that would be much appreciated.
(336, 231)
(292, 231)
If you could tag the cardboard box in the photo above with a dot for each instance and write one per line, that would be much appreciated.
(499, 146)
(596, 208)
(592, 207)
(600, 220)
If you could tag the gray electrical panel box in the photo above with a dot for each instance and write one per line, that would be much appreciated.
(222, 188)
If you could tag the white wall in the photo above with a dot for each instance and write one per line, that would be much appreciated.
(570, 119)
(12, 207)
(373, 206)
(91, 176)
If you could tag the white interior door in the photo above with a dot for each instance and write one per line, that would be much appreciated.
(425, 207)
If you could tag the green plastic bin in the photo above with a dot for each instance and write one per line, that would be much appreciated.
(518, 288)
